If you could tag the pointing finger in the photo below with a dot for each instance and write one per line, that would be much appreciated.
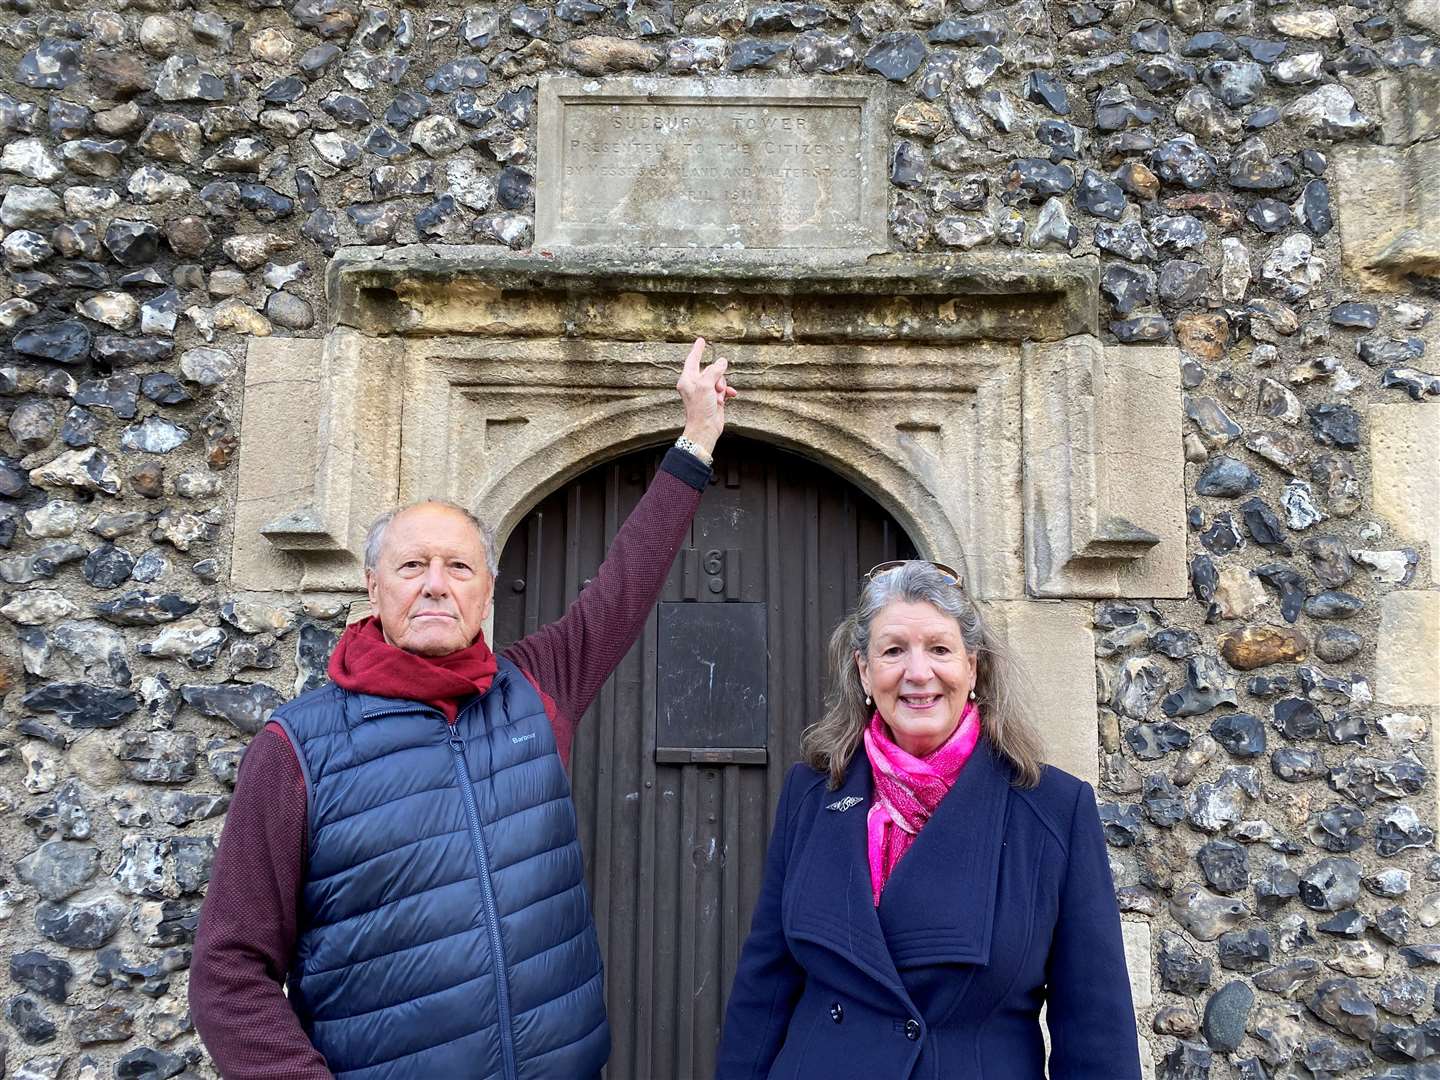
(692, 362)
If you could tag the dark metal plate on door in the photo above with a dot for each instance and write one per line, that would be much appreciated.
(712, 676)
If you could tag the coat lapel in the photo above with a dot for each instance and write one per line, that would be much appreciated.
(939, 905)
(831, 903)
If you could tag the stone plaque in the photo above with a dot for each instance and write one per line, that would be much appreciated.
(733, 163)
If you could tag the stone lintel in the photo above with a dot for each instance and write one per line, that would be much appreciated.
(1104, 482)
(728, 296)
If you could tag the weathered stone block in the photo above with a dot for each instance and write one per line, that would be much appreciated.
(1407, 651)
(1136, 936)
(1052, 641)
(1404, 478)
(773, 163)
(1389, 194)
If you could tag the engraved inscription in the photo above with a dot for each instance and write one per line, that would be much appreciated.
(786, 166)
(708, 170)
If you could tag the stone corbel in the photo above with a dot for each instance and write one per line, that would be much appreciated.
(1103, 476)
(320, 458)
(1388, 203)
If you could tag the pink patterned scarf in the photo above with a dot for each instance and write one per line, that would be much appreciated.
(907, 789)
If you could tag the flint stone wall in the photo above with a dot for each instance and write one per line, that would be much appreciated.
(1257, 184)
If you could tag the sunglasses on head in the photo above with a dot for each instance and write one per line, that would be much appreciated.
(881, 569)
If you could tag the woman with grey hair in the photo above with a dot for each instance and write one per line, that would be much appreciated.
(930, 884)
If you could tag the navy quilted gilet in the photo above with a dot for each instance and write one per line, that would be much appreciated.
(446, 929)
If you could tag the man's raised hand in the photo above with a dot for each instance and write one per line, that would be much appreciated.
(704, 392)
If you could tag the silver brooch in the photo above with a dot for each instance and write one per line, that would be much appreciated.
(846, 803)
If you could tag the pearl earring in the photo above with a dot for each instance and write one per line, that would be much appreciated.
(867, 699)
(972, 695)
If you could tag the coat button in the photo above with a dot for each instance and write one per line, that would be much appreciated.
(912, 1030)
(837, 1012)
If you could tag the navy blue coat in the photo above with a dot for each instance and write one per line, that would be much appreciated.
(1004, 903)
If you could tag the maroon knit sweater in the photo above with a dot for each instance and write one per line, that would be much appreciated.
(250, 919)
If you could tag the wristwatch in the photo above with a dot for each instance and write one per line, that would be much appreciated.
(690, 446)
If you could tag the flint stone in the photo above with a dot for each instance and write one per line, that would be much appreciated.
(1421, 955)
(1226, 478)
(245, 706)
(145, 609)
(1402, 994)
(45, 975)
(1186, 1061)
(84, 925)
(59, 869)
(1241, 950)
(896, 55)
(1401, 829)
(52, 64)
(65, 342)
(154, 435)
(1182, 970)
(1206, 688)
(1296, 718)
(82, 705)
(206, 366)
(1253, 647)
(1288, 977)
(1333, 604)
(1341, 1004)
(1331, 884)
(1241, 734)
(1204, 914)
(108, 566)
(56, 518)
(1296, 765)
(1225, 866)
(84, 470)
(1328, 112)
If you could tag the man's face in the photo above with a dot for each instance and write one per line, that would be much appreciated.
(430, 587)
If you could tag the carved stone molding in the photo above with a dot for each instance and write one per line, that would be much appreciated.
(931, 433)
(1104, 477)
(551, 378)
(319, 458)
(740, 296)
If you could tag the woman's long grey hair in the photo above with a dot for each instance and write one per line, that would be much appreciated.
(831, 742)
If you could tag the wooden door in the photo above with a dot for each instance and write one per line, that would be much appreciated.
(676, 788)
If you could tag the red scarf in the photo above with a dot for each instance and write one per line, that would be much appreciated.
(908, 789)
(363, 661)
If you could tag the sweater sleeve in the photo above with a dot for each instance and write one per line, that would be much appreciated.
(571, 658)
(249, 924)
(768, 978)
(1090, 1016)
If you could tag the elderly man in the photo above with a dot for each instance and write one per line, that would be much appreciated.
(400, 855)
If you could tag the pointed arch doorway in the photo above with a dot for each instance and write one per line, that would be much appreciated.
(674, 799)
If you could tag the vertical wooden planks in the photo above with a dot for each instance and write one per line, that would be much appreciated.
(675, 853)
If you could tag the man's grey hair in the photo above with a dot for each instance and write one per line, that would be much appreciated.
(375, 537)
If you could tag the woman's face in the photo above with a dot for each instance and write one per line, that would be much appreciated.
(919, 674)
